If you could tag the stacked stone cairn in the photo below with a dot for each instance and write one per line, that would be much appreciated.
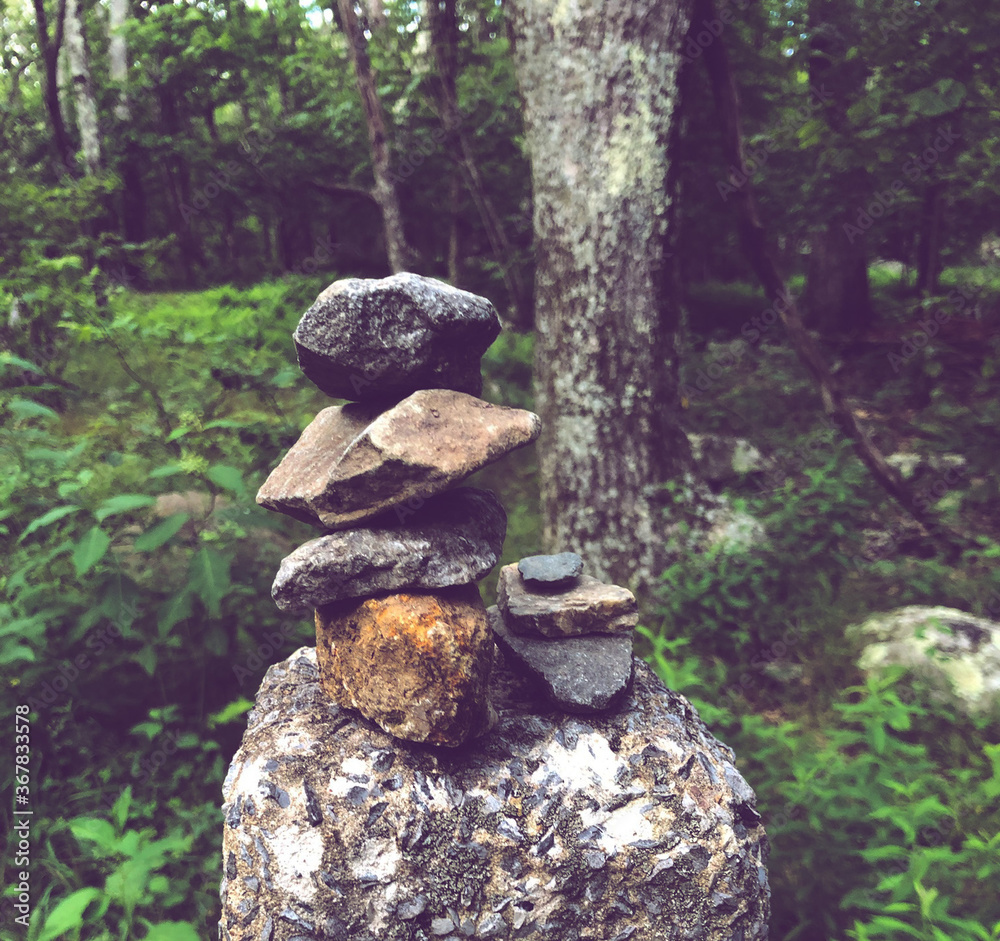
(401, 633)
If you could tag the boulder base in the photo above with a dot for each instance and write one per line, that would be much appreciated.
(634, 825)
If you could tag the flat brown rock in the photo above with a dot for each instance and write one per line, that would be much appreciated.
(418, 665)
(353, 462)
(587, 607)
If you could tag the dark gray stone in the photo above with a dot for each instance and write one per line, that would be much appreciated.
(579, 674)
(541, 572)
(378, 340)
(552, 827)
(454, 538)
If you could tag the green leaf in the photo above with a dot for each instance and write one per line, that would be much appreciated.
(13, 653)
(68, 914)
(57, 513)
(27, 408)
(119, 811)
(97, 831)
(146, 658)
(9, 359)
(167, 470)
(209, 579)
(90, 550)
(161, 533)
(232, 712)
(172, 931)
(173, 611)
(123, 503)
(229, 478)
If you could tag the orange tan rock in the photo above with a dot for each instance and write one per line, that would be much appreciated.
(416, 664)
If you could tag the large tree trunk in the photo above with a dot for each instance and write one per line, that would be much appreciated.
(837, 295)
(83, 87)
(599, 85)
(401, 256)
(837, 298)
(133, 197)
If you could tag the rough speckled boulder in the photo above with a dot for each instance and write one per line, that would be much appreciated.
(952, 651)
(378, 340)
(632, 825)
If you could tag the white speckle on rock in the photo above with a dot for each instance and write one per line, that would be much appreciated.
(376, 861)
(619, 827)
(592, 760)
(295, 855)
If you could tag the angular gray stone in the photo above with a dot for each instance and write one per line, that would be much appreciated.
(541, 572)
(633, 824)
(952, 651)
(587, 607)
(353, 462)
(379, 340)
(455, 538)
(579, 674)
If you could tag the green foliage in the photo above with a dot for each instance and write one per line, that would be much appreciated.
(136, 583)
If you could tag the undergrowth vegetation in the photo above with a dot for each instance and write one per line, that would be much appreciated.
(136, 620)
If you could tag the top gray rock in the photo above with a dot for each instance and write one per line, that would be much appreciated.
(380, 340)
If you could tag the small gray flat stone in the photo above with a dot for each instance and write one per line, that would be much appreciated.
(542, 572)
(579, 674)
(453, 539)
(588, 606)
(374, 340)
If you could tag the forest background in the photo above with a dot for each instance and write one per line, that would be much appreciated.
(180, 180)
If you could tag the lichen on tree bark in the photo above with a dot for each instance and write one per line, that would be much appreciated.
(599, 86)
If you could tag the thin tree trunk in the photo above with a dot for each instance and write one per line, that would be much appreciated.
(837, 296)
(759, 254)
(83, 87)
(50, 57)
(444, 41)
(599, 87)
(118, 55)
(454, 229)
(401, 255)
(929, 246)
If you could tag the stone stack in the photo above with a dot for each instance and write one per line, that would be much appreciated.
(401, 632)
(569, 633)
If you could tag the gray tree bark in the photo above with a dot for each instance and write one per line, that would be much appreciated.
(83, 88)
(599, 86)
(401, 256)
(118, 55)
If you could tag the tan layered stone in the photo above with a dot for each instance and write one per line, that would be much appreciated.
(417, 664)
(352, 462)
(589, 606)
